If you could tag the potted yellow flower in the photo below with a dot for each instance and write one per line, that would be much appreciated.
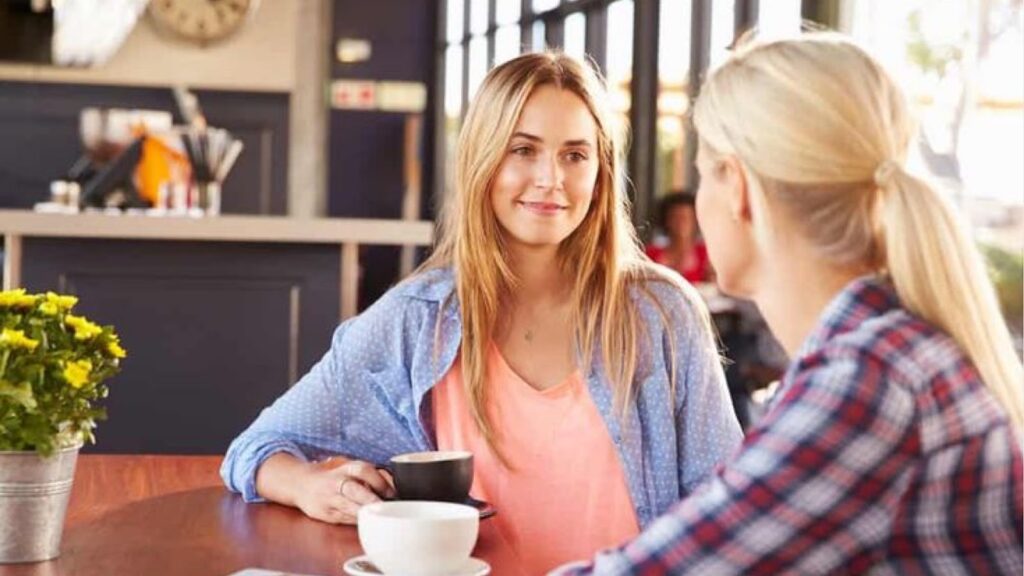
(52, 367)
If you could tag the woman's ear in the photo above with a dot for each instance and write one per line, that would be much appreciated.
(734, 177)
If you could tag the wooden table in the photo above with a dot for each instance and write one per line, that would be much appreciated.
(155, 515)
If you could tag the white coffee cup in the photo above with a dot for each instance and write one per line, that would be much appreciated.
(418, 538)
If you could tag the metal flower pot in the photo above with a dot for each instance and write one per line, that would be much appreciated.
(34, 493)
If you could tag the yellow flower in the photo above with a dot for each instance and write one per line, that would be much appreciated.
(84, 329)
(49, 308)
(115, 350)
(17, 339)
(16, 299)
(61, 302)
(77, 373)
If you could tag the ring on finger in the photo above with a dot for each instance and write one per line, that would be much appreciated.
(341, 487)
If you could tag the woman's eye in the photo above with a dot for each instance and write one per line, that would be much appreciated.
(522, 150)
(576, 156)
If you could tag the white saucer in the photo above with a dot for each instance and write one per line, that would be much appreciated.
(362, 566)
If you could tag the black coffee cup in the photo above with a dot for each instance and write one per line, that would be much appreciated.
(443, 475)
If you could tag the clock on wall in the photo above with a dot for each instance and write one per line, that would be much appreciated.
(201, 21)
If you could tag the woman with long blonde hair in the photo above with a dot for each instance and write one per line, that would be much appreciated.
(584, 380)
(893, 443)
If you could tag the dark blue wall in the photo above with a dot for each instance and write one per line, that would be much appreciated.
(215, 331)
(365, 178)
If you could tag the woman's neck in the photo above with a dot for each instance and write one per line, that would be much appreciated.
(794, 291)
(540, 276)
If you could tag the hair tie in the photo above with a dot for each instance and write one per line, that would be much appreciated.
(885, 173)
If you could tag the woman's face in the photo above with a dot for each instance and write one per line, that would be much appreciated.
(730, 243)
(545, 184)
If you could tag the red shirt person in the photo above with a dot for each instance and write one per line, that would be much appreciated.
(685, 252)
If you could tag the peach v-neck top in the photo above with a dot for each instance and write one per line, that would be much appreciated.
(566, 497)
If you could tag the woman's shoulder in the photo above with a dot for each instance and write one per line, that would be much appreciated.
(434, 285)
(666, 301)
(653, 284)
(902, 344)
(409, 303)
(869, 333)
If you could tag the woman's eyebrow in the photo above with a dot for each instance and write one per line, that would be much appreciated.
(580, 142)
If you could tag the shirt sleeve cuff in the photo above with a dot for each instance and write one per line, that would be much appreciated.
(244, 480)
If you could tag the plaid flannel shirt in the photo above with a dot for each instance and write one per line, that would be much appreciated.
(883, 452)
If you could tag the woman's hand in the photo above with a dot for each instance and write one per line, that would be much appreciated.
(335, 489)
(331, 491)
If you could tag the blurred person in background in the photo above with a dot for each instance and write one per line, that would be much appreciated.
(681, 248)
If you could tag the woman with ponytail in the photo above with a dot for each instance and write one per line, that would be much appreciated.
(893, 443)
(583, 378)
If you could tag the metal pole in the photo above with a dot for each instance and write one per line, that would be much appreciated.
(643, 113)
(700, 43)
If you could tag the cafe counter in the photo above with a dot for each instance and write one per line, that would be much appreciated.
(219, 315)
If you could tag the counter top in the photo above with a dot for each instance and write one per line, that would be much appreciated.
(218, 228)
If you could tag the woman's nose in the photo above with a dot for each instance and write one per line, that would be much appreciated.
(548, 174)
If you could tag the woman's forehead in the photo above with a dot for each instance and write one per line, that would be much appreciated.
(551, 109)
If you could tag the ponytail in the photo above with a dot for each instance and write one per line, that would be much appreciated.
(837, 165)
(939, 275)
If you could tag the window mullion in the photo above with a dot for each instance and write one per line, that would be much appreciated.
(643, 112)
(597, 35)
(700, 58)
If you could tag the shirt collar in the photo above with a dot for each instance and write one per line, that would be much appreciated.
(863, 298)
(434, 285)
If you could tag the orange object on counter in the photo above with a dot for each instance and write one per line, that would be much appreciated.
(159, 162)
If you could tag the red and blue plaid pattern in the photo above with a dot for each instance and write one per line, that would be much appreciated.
(883, 453)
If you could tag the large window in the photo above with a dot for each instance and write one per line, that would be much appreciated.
(475, 39)
(479, 34)
(673, 95)
(676, 51)
(961, 63)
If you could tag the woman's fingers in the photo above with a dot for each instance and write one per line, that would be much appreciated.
(354, 490)
(370, 477)
(342, 510)
(342, 487)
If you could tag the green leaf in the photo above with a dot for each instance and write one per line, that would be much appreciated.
(20, 393)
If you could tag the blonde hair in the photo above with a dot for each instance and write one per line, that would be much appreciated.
(602, 256)
(825, 132)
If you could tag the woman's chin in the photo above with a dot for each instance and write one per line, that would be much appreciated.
(537, 239)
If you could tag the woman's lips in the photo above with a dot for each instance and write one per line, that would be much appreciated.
(542, 208)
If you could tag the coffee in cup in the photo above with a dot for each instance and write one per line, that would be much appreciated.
(438, 475)
(418, 538)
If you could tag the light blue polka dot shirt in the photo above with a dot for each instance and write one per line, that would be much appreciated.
(367, 398)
